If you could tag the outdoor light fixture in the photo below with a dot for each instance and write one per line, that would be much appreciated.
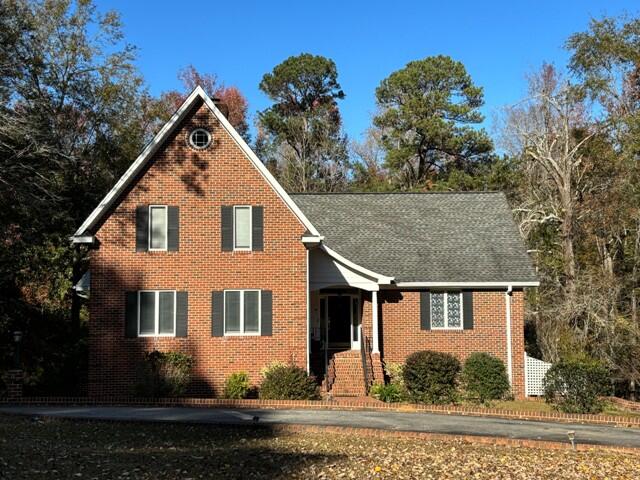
(17, 338)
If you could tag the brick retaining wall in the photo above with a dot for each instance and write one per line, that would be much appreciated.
(341, 404)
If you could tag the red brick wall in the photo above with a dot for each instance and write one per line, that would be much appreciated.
(199, 182)
(401, 333)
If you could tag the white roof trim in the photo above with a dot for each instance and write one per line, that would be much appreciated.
(381, 279)
(310, 239)
(83, 239)
(325, 271)
(157, 142)
(468, 284)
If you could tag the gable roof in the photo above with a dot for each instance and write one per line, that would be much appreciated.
(84, 234)
(424, 239)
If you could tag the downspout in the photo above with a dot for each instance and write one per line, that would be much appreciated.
(308, 319)
(509, 355)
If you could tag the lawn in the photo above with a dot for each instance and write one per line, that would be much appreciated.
(541, 406)
(32, 448)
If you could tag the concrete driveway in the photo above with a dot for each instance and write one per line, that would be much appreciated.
(394, 421)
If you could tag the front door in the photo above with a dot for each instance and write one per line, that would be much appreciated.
(340, 317)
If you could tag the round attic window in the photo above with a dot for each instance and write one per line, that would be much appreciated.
(200, 138)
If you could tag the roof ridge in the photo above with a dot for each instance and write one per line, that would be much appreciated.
(460, 192)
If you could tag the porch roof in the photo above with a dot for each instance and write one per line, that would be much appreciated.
(423, 237)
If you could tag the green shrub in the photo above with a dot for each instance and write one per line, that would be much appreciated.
(431, 377)
(394, 371)
(264, 371)
(575, 385)
(164, 374)
(484, 378)
(237, 386)
(288, 382)
(389, 393)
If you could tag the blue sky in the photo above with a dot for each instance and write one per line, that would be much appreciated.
(499, 42)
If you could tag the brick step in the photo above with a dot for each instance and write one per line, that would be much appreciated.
(348, 374)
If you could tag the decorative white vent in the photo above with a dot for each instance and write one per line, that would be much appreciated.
(534, 372)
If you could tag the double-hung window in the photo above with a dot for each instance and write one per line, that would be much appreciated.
(158, 227)
(156, 313)
(446, 310)
(241, 227)
(242, 312)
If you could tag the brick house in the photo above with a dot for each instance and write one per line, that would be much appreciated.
(198, 249)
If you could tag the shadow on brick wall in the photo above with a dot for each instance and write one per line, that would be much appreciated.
(114, 359)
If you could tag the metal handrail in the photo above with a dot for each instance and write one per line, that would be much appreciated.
(363, 356)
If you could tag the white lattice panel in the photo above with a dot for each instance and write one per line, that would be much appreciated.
(534, 372)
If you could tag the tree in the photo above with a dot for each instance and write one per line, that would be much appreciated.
(234, 101)
(301, 131)
(427, 110)
(73, 115)
(369, 172)
(605, 59)
(548, 132)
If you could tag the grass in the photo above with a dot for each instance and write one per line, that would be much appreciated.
(541, 406)
(35, 448)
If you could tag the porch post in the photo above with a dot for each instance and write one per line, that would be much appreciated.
(374, 321)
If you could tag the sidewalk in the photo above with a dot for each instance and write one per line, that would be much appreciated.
(389, 421)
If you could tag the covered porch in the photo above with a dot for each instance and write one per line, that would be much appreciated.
(345, 337)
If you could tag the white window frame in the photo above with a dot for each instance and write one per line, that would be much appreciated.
(200, 129)
(250, 247)
(166, 233)
(156, 311)
(242, 333)
(446, 310)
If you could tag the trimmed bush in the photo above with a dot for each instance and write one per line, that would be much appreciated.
(484, 378)
(164, 374)
(288, 382)
(264, 371)
(389, 393)
(237, 386)
(575, 385)
(431, 377)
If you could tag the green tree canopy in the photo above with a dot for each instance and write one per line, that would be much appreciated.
(72, 116)
(427, 110)
(301, 133)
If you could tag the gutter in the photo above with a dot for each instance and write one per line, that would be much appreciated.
(509, 347)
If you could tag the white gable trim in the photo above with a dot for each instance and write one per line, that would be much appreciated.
(325, 271)
(140, 162)
(381, 279)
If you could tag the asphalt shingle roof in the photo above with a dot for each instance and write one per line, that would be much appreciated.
(423, 237)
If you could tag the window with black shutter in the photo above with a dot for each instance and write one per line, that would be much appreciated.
(156, 313)
(446, 310)
(241, 312)
(157, 228)
(242, 228)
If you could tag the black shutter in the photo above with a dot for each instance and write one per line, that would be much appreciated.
(467, 310)
(173, 218)
(217, 314)
(142, 228)
(266, 313)
(226, 222)
(182, 313)
(131, 315)
(257, 214)
(425, 310)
